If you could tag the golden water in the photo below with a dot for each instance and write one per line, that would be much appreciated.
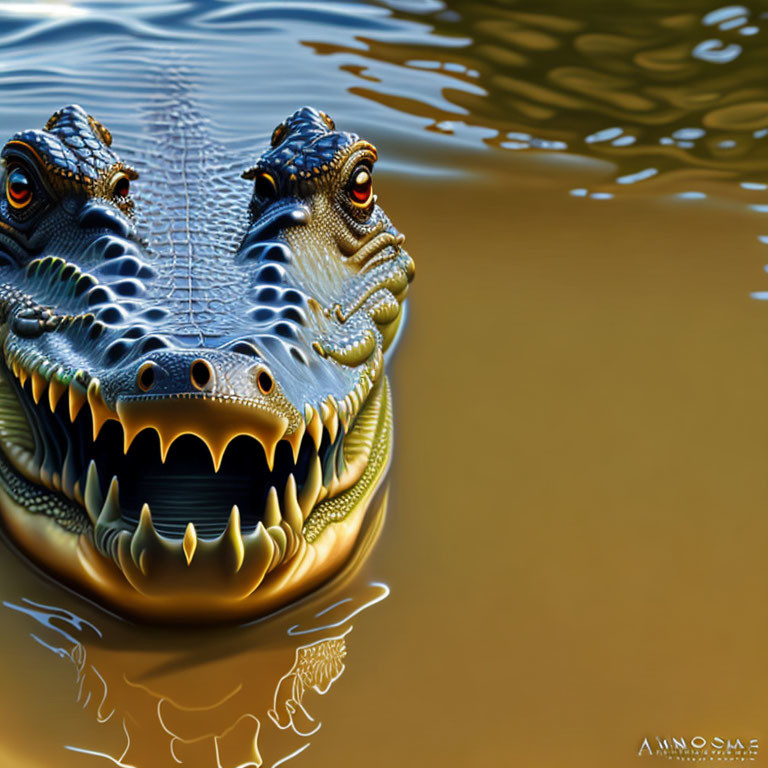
(574, 553)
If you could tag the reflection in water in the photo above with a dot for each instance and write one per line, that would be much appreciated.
(317, 666)
(263, 719)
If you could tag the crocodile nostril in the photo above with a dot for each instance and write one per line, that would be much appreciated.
(265, 381)
(201, 374)
(145, 378)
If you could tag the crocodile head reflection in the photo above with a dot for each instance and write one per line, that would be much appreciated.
(250, 697)
(193, 427)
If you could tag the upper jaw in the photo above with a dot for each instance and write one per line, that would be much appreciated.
(109, 452)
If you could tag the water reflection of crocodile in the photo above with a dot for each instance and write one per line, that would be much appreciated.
(251, 700)
(194, 415)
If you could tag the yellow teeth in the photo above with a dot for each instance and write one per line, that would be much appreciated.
(343, 414)
(99, 409)
(55, 392)
(233, 540)
(173, 417)
(77, 397)
(232, 563)
(295, 440)
(315, 427)
(312, 486)
(330, 417)
(110, 511)
(38, 386)
(189, 543)
(291, 510)
(144, 534)
(272, 515)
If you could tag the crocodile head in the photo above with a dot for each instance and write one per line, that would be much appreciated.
(194, 414)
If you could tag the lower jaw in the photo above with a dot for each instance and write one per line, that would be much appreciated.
(201, 592)
(80, 567)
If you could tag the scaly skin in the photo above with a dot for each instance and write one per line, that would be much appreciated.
(194, 415)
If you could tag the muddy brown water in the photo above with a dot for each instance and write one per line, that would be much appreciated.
(573, 557)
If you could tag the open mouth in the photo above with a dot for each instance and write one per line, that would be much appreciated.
(189, 503)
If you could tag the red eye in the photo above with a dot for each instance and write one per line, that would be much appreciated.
(361, 187)
(121, 186)
(18, 188)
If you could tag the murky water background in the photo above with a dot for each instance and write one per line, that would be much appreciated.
(574, 554)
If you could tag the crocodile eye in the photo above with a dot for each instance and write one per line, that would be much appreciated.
(360, 189)
(265, 185)
(121, 186)
(18, 188)
(278, 134)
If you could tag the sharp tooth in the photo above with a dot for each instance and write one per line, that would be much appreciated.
(315, 428)
(110, 511)
(269, 452)
(189, 543)
(291, 509)
(295, 440)
(93, 498)
(330, 417)
(234, 550)
(216, 449)
(55, 391)
(260, 549)
(109, 516)
(77, 398)
(23, 375)
(272, 514)
(38, 385)
(144, 535)
(78, 494)
(100, 412)
(278, 536)
(311, 489)
(309, 412)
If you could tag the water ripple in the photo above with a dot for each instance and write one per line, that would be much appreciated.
(679, 85)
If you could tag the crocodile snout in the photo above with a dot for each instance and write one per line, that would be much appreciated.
(185, 373)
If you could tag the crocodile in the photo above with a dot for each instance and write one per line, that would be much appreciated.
(195, 418)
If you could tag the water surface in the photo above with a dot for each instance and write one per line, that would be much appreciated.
(573, 557)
